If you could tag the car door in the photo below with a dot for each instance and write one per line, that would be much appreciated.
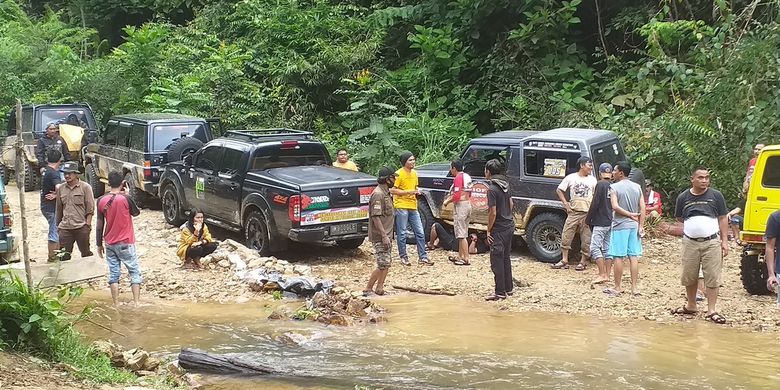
(764, 193)
(228, 183)
(202, 176)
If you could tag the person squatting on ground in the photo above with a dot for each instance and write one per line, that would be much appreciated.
(599, 219)
(772, 261)
(459, 197)
(74, 210)
(380, 230)
(195, 241)
(580, 185)
(49, 181)
(443, 238)
(115, 212)
(51, 140)
(500, 229)
(703, 212)
(405, 194)
(628, 226)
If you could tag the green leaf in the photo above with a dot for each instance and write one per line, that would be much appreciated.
(619, 101)
(34, 317)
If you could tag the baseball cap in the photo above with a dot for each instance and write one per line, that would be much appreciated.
(70, 166)
(605, 168)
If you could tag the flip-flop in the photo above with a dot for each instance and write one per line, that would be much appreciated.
(379, 292)
(580, 267)
(611, 292)
(716, 318)
(560, 265)
(452, 258)
(682, 310)
(460, 262)
(495, 297)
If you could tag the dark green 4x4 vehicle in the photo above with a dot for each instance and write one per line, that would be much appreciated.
(138, 144)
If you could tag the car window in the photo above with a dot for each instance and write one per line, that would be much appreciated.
(110, 135)
(208, 159)
(164, 135)
(137, 137)
(771, 172)
(291, 154)
(232, 162)
(477, 156)
(123, 134)
(73, 116)
(11, 123)
(549, 163)
(611, 153)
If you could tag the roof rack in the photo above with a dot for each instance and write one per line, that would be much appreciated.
(258, 134)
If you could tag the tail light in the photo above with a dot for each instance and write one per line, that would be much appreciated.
(287, 145)
(752, 237)
(7, 220)
(147, 169)
(294, 208)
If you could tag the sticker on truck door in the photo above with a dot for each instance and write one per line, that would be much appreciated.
(200, 188)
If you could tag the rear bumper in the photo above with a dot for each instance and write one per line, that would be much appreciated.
(324, 233)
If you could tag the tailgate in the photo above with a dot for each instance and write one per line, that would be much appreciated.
(337, 204)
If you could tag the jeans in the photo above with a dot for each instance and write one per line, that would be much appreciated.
(403, 218)
(51, 219)
(118, 254)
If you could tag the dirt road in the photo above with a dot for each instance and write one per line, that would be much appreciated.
(566, 291)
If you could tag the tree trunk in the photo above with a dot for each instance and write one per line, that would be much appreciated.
(424, 291)
(201, 361)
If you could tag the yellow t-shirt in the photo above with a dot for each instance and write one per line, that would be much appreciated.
(406, 181)
(347, 165)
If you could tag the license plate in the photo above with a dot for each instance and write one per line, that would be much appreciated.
(347, 228)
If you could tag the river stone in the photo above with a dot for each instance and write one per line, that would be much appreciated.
(135, 359)
(337, 290)
(356, 308)
(268, 264)
(254, 263)
(279, 313)
(320, 299)
(282, 262)
(256, 285)
(302, 269)
(336, 319)
(174, 369)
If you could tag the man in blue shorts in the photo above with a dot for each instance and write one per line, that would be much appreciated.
(628, 203)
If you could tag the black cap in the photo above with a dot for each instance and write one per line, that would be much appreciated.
(405, 156)
(70, 166)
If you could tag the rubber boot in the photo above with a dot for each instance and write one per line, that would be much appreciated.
(53, 248)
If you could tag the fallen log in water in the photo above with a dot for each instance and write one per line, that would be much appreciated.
(202, 361)
(424, 291)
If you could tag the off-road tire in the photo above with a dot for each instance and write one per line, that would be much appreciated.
(427, 219)
(183, 147)
(5, 174)
(754, 275)
(543, 236)
(138, 195)
(256, 232)
(98, 187)
(352, 243)
(32, 179)
(171, 206)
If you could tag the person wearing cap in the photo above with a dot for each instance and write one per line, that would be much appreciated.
(628, 226)
(75, 207)
(51, 140)
(380, 229)
(580, 185)
(405, 194)
(652, 201)
(599, 219)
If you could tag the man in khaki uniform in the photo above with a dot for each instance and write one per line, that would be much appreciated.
(380, 229)
(75, 207)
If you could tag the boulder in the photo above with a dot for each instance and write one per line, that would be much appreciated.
(174, 369)
(224, 263)
(335, 319)
(255, 263)
(301, 269)
(356, 308)
(237, 262)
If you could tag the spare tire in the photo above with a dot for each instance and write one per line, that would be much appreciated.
(183, 147)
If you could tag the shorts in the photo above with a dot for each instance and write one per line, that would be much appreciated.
(705, 254)
(383, 256)
(118, 254)
(625, 243)
(599, 242)
(737, 220)
(51, 218)
(461, 219)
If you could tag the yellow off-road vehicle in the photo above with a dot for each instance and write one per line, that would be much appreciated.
(763, 198)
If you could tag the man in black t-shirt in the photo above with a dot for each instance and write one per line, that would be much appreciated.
(599, 219)
(705, 230)
(49, 181)
(772, 261)
(501, 227)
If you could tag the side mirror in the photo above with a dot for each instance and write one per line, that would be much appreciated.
(187, 160)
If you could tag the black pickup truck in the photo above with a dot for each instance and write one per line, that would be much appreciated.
(536, 163)
(275, 185)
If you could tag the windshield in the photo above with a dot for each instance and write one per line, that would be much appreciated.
(164, 135)
(74, 116)
(291, 155)
(611, 153)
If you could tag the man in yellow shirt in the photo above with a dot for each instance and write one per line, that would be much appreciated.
(343, 161)
(405, 201)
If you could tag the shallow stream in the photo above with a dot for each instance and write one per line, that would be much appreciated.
(451, 343)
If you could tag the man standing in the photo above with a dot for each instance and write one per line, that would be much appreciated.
(500, 230)
(751, 167)
(115, 212)
(580, 185)
(380, 229)
(51, 140)
(703, 213)
(628, 226)
(459, 196)
(405, 201)
(599, 219)
(653, 203)
(343, 161)
(49, 181)
(772, 261)
(75, 206)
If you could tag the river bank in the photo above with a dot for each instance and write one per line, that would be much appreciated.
(565, 291)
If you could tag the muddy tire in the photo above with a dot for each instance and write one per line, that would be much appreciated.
(31, 178)
(138, 195)
(98, 187)
(256, 233)
(5, 174)
(754, 275)
(543, 236)
(171, 206)
(352, 243)
(183, 147)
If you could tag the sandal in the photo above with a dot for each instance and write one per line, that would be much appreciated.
(379, 292)
(452, 259)
(682, 310)
(580, 267)
(367, 293)
(461, 262)
(429, 247)
(560, 265)
(716, 318)
(611, 292)
(495, 297)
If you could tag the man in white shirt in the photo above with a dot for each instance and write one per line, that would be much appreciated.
(580, 185)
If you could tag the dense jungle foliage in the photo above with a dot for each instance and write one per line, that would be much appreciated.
(684, 82)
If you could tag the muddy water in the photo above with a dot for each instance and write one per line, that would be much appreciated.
(448, 343)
